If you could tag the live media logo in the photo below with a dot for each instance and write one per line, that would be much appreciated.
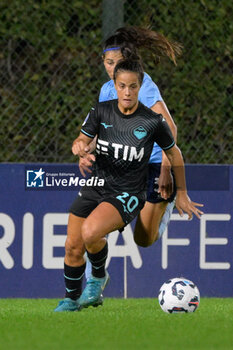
(35, 178)
(57, 178)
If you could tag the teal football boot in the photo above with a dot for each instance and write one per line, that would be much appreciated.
(67, 304)
(92, 294)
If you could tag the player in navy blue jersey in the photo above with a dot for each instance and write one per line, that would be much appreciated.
(126, 131)
(126, 43)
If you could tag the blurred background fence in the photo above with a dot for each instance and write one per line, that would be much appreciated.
(51, 72)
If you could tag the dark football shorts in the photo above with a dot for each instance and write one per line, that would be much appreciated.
(128, 204)
(152, 185)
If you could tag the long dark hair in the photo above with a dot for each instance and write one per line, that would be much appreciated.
(130, 40)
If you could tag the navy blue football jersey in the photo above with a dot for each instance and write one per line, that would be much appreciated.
(124, 144)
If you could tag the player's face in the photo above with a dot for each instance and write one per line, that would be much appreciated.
(127, 86)
(111, 58)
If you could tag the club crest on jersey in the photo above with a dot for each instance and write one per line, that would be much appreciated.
(140, 132)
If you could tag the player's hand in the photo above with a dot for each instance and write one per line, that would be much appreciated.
(184, 204)
(165, 183)
(80, 148)
(85, 163)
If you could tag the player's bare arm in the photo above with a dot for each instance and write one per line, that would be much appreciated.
(165, 178)
(183, 202)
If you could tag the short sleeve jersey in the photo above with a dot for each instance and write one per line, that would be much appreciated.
(124, 144)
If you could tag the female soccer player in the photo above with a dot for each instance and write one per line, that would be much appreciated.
(126, 131)
(125, 43)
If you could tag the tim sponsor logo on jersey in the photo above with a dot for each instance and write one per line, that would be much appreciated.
(119, 151)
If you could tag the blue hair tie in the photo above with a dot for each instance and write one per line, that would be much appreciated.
(112, 48)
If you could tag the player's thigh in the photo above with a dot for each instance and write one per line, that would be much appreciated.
(149, 219)
(104, 219)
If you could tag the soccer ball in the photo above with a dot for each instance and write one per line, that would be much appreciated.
(179, 295)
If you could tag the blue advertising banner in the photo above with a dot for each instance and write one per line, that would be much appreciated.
(34, 205)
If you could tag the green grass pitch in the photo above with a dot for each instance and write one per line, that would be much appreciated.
(31, 324)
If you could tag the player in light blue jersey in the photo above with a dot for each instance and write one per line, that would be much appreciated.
(126, 43)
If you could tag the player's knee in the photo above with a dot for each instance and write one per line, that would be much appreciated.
(88, 233)
(145, 241)
(72, 249)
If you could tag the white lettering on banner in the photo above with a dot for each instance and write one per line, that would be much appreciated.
(51, 240)
(27, 241)
(74, 181)
(129, 249)
(5, 241)
(57, 182)
(204, 241)
(172, 241)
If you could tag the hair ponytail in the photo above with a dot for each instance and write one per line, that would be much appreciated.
(131, 40)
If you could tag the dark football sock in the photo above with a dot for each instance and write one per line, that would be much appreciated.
(98, 261)
(73, 280)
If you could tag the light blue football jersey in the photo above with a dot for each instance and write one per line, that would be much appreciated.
(149, 94)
